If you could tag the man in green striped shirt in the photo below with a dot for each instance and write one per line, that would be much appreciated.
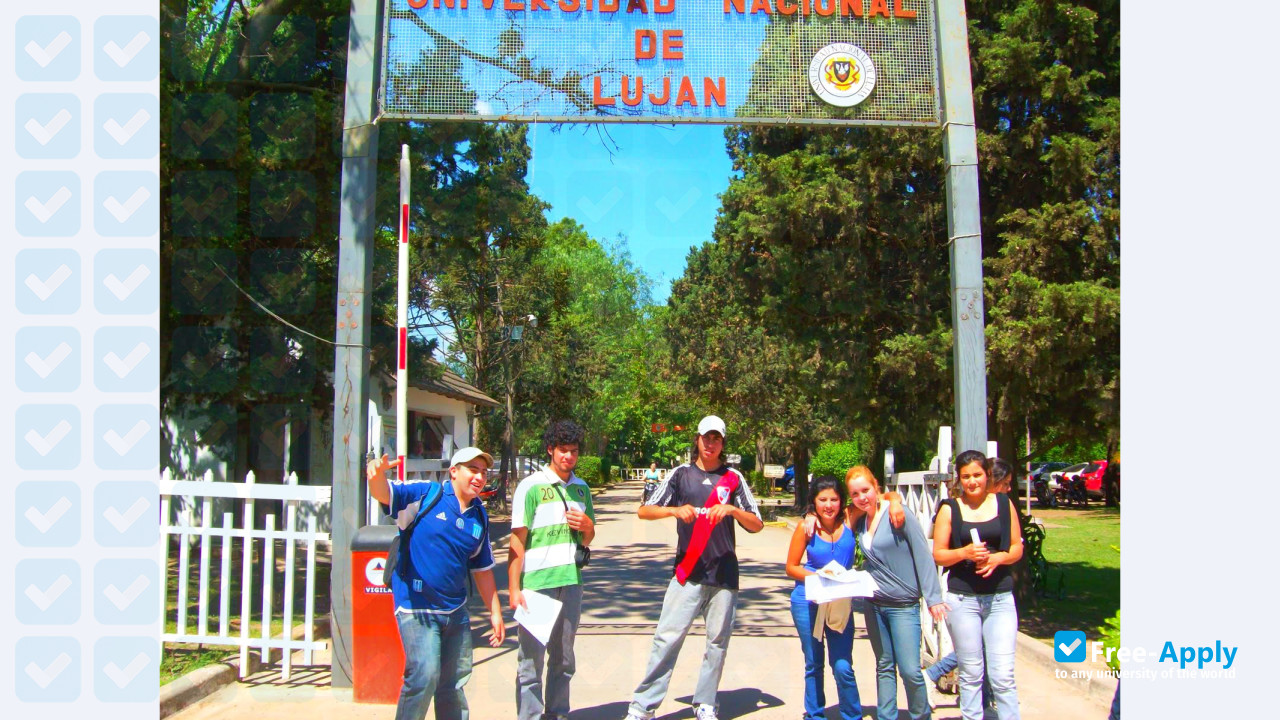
(551, 514)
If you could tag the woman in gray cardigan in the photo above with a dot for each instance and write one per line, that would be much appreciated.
(900, 561)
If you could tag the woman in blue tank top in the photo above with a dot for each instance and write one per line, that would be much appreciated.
(832, 540)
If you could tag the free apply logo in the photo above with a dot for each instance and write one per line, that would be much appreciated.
(1071, 646)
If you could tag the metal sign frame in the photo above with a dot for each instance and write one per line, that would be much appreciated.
(881, 28)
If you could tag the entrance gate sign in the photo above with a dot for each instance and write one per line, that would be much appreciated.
(846, 62)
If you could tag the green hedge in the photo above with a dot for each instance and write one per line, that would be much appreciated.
(591, 469)
(835, 458)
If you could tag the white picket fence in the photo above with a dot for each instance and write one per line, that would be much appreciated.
(258, 551)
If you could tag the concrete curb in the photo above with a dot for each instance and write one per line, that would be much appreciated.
(203, 682)
(1099, 690)
(197, 685)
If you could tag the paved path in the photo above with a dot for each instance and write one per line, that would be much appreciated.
(629, 571)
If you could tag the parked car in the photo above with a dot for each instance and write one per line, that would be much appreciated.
(1092, 476)
(1059, 478)
(788, 480)
(1038, 471)
(1078, 483)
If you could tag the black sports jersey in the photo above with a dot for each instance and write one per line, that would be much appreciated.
(690, 485)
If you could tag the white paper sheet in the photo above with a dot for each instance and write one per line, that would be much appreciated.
(541, 616)
(834, 581)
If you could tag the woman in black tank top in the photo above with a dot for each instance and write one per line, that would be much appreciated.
(977, 536)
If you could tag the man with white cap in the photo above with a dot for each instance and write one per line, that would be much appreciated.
(429, 586)
(700, 496)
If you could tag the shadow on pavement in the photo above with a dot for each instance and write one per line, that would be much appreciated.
(733, 703)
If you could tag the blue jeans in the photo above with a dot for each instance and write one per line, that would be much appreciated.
(948, 663)
(985, 626)
(840, 655)
(895, 638)
(437, 663)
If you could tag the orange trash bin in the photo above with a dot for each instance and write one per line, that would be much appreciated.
(377, 656)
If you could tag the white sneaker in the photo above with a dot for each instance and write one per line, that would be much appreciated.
(706, 712)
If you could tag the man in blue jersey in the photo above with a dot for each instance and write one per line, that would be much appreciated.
(430, 586)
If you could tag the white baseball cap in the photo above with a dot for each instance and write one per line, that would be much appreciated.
(467, 454)
(711, 423)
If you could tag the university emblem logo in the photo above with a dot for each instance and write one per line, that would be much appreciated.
(842, 75)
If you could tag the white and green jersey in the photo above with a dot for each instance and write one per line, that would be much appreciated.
(539, 506)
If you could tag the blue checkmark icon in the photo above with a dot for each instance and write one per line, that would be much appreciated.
(1069, 646)
(47, 669)
(47, 514)
(47, 282)
(47, 126)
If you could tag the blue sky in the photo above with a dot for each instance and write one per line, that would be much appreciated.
(659, 189)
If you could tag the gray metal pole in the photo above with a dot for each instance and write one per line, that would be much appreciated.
(964, 226)
(351, 364)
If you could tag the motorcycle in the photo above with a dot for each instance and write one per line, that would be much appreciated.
(1045, 497)
(1074, 493)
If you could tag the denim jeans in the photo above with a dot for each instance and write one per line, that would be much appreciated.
(437, 663)
(681, 605)
(839, 654)
(985, 626)
(949, 663)
(895, 638)
(558, 654)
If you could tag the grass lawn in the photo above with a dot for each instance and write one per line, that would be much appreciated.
(1082, 549)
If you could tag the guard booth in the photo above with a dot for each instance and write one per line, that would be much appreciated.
(377, 657)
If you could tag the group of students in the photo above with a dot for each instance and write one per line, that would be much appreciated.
(976, 536)
(553, 522)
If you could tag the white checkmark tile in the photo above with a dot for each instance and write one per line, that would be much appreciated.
(122, 56)
(44, 288)
(47, 54)
(124, 289)
(126, 676)
(124, 133)
(124, 211)
(122, 367)
(48, 131)
(1068, 649)
(673, 211)
(124, 599)
(124, 521)
(44, 366)
(597, 210)
(122, 445)
(47, 519)
(44, 676)
(44, 598)
(47, 209)
(44, 444)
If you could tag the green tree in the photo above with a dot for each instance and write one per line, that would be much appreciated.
(830, 253)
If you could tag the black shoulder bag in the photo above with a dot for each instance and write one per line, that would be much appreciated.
(582, 553)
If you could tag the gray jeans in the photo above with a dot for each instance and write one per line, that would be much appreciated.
(529, 697)
(682, 604)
